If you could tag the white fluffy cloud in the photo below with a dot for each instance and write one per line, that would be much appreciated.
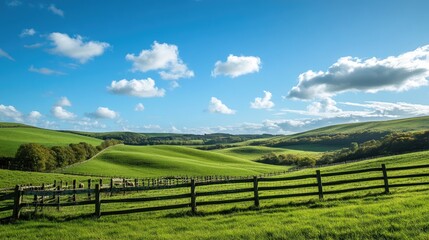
(103, 112)
(64, 102)
(45, 71)
(144, 88)
(61, 113)
(27, 32)
(236, 66)
(263, 103)
(395, 73)
(34, 116)
(139, 107)
(10, 112)
(75, 47)
(163, 57)
(56, 10)
(6, 55)
(216, 106)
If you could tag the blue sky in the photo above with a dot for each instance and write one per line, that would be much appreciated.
(212, 66)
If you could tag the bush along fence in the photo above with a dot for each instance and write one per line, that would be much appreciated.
(316, 184)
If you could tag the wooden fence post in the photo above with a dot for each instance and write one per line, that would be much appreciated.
(97, 201)
(54, 186)
(386, 180)
(111, 186)
(193, 197)
(58, 197)
(89, 189)
(255, 191)
(74, 188)
(319, 184)
(42, 201)
(17, 203)
(136, 184)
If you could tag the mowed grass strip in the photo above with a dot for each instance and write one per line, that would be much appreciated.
(156, 161)
(12, 137)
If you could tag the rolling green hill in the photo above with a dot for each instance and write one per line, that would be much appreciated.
(406, 124)
(153, 161)
(255, 152)
(12, 135)
(342, 135)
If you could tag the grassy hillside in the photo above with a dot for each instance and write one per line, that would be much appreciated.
(407, 124)
(255, 152)
(152, 161)
(12, 135)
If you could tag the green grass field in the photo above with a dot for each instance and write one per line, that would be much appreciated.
(13, 135)
(403, 214)
(255, 152)
(155, 161)
(407, 124)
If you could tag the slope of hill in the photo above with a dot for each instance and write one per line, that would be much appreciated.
(342, 135)
(255, 152)
(12, 135)
(406, 124)
(153, 161)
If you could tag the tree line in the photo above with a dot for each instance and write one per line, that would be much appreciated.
(40, 158)
(393, 143)
(131, 138)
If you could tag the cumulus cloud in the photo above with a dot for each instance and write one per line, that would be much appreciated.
(34, 116)
(216, 106)
(56, 10)
(395, 73)
(27, 32)
(60, 112)
(45, 71)
(163, 57)
(75, 47)
(139, 107)
(264, 102)
(236, 66)
(103, 112)
(64, 102)
(5, 55)
(143, 88)
(10, 112)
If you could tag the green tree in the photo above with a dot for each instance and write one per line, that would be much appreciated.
(35, 157)
(64, 155)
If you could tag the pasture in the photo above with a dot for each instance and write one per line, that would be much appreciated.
(363, 215)
(12, 136)
(155, 161)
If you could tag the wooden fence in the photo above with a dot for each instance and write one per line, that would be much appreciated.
(49, 196)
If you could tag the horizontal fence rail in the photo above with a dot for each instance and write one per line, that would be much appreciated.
(319, 184)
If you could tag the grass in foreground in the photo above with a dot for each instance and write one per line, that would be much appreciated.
(402, 215)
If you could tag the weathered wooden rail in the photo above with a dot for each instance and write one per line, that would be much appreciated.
(50, 195)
